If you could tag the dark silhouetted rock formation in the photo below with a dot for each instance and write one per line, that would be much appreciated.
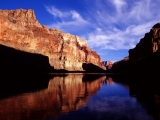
(147, 45)
(145, 56)
(12, 60)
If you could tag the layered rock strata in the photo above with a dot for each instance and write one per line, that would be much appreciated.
(20, 30)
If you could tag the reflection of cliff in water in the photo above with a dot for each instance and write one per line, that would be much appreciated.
(145, 89)
(63, 94)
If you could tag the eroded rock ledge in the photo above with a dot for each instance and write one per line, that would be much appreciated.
(20, 30)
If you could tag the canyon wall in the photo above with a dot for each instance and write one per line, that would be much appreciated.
(20, 30)
(145, 56)
(147, 45)
(16, 61)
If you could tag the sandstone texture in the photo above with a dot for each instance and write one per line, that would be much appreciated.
(20, 30)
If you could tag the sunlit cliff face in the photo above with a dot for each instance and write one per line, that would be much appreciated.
(20, 30)
(63, 94)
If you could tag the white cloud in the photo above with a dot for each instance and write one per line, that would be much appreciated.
(109, 24)
(141, 10)
(139, 30)
(56, 13)
(68, 19)
(124, 28)
(119, 4)
(118, 39)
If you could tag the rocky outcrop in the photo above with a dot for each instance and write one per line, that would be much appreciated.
(20, 30)
(119, 64)
(64, 94)
(145, 56)
(107, 64)
(147, 45)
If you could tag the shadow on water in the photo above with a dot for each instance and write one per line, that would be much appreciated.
(14, 84)
(79, 96)
(30, 97)
(91, 77)
(145, 88)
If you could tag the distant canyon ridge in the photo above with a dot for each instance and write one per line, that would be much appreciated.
(24, 42)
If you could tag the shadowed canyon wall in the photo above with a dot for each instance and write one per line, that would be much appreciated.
(20, 30)
(147, 45)
(145, 56)
(16, 61)
(64, 94)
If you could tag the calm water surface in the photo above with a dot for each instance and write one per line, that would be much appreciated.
(78, 97)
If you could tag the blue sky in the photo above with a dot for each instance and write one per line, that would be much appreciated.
(111, 27)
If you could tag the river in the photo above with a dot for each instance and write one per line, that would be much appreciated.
(79, 97)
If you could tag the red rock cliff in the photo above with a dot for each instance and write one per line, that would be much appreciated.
(20, 30)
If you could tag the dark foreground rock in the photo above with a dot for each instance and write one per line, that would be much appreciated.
(145, 57)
